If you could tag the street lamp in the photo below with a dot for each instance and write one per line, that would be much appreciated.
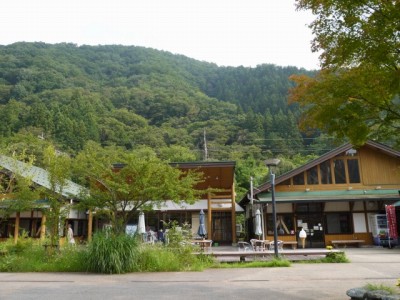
(270, 163)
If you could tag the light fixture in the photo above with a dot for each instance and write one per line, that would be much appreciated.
(349, 188)
(307, 189)
(378, 187)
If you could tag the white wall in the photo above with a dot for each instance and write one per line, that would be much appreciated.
(359, 222)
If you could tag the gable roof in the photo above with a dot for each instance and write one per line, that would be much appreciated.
(331, 154)
(39, 176)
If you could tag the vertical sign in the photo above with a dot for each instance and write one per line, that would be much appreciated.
(391, 218)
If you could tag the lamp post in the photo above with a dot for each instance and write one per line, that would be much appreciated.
(270, 163)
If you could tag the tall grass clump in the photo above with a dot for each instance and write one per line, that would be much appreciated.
(111, 253)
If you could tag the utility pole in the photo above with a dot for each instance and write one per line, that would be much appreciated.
(205, 146)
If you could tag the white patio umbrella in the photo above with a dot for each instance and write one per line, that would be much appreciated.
(202, 226)
(258, 230)
(141, 226)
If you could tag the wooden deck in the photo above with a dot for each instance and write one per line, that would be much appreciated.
(297, 254)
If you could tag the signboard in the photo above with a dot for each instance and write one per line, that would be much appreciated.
(391, 219)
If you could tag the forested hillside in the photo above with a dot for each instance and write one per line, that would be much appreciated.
(135, 97)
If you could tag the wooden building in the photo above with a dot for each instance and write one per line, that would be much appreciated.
(337, 197)
(219, 205)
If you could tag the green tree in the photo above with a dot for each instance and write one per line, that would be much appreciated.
(122, 183)
(58, 166)
(356, 94)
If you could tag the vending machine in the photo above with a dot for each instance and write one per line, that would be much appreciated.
(378, 226)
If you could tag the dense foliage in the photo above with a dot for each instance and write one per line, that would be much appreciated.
(135, 97)
(357, 93)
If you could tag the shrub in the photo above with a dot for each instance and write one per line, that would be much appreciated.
(112, 253)
(28, 255)
(336, 257)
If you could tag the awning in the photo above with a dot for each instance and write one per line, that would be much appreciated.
(335, 195)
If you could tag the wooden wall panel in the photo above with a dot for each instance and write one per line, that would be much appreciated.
(378, 168)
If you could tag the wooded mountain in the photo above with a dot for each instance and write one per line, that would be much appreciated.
(134, 97)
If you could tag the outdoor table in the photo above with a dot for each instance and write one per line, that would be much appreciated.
(203, 244)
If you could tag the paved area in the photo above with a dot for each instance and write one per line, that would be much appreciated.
(300, 281)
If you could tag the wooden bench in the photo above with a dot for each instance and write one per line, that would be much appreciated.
(291, 243)
(336, 243)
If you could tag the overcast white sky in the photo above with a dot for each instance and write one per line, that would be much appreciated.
(226, 32)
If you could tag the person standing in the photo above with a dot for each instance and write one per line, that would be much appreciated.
(70, 235)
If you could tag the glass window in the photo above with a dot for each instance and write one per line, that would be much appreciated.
(312, 175)
(325, 169)
(354, 172)
(284, 224)
(298, 179)
(340, 172)
(338, 223)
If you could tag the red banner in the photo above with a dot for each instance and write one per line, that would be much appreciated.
(392, 223)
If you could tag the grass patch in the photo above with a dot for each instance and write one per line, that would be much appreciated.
(333, 257)
(276, 262)
(159, 258)
(381, 287)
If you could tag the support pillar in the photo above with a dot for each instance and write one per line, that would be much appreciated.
(90, 225)
(43, 227)
(16, 228)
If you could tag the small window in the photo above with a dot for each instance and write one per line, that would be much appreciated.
(340, 172)
(354, 172)
(338, 223)
(298, 179)
(325, 169)
(312, 175)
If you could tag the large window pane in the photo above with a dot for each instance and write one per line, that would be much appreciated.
(312, 175)
(325, 169)
(338, 223)
(354, 171)
(298, 179)
(340, 172)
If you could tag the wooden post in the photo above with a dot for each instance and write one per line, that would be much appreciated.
(16, 228)
(43, 227)
(90, 225)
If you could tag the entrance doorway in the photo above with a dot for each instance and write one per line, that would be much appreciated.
(221, 227)
(310, 217)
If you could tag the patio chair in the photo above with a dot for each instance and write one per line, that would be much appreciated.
(244, 246)
(280, 245)
(253, 244)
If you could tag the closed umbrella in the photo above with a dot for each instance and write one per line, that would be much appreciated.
(202, 227)
(258, 224)
(141, 226)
